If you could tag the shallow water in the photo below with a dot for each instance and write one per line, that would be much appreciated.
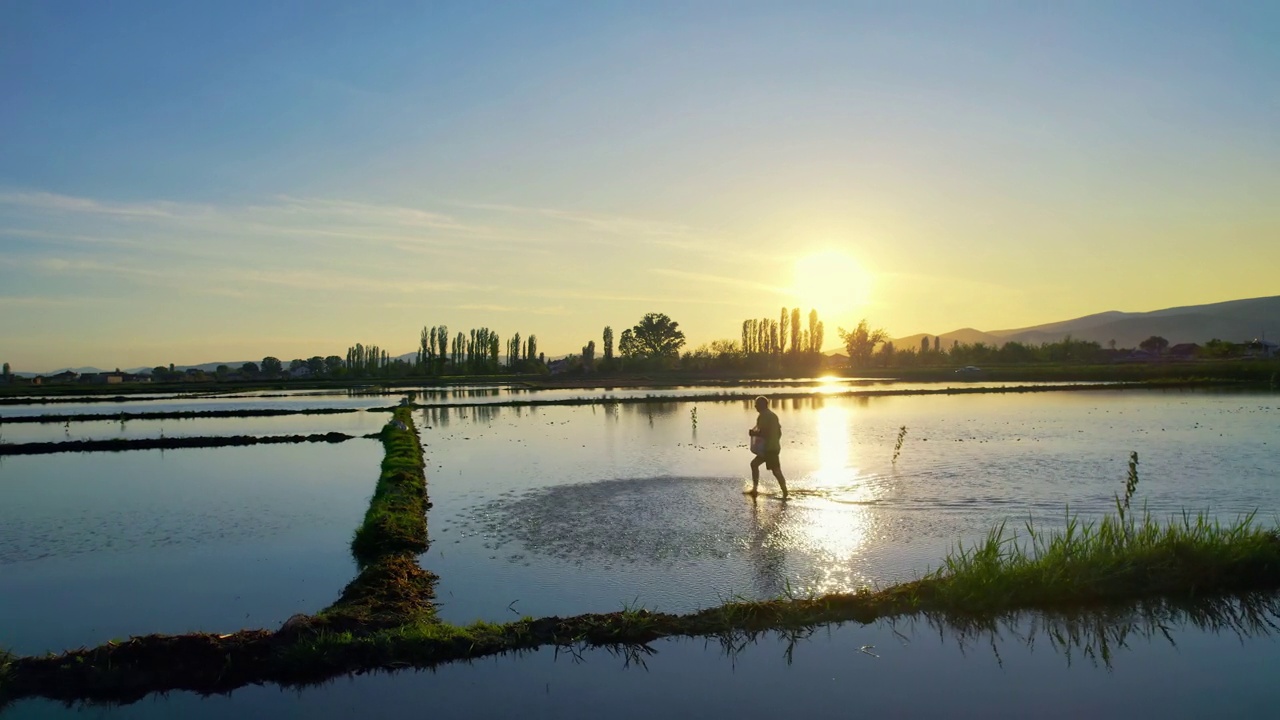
(353, 423)
(191, 404)
(563, 510)
(96, 546)
(470, 395)
(902, 669)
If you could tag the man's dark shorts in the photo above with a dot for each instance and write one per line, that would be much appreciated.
(771, 461)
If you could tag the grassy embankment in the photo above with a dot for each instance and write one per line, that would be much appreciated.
(385, 620)
(391, 588)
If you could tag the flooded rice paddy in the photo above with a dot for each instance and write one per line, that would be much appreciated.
(563, 510)
(353, 423)
(558, 510)
(97, 546)
(366, 398)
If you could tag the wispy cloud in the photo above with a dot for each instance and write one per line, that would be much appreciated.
(616, 224)
(321, 280)
(50, 202)
(185, 227)
(97, 267)
(589, 296)
(722, 280)
(489, 307)
(395, 215)
(67, 237)
(42, 301)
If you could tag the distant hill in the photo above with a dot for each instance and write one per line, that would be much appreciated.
(1233, 320)
(967, 336)
(77, 370)
(206, 367)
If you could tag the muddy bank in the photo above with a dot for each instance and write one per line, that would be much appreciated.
(118, 445)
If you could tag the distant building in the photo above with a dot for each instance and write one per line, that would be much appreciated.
(1183, 350)
(1263, 348)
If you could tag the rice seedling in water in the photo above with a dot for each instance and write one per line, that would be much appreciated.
(897, 447)
(693, 416)
(1130, 485)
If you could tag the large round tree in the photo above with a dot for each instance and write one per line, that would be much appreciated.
(656, 336)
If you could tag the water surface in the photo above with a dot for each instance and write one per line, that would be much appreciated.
(353, 423)
(563, 510)
(97, 546)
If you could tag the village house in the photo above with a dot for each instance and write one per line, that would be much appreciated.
(1263, 348)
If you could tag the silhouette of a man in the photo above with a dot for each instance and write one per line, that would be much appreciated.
(770, 429)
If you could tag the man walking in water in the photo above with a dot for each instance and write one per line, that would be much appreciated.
(769, 429)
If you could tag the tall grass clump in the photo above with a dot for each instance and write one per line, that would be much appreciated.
(1121, 556)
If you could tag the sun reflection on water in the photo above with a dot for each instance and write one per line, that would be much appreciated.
(831, 517)
(828, 385)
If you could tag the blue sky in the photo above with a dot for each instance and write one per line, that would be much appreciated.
(186, 183)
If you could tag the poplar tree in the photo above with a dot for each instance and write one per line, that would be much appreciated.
(784, 325)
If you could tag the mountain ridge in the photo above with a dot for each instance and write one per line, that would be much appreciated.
(1230, 320)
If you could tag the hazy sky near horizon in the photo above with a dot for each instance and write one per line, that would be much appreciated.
(222, 181)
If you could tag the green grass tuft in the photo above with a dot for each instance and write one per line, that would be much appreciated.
(1116, 558)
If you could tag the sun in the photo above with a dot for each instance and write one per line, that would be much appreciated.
(832, 282)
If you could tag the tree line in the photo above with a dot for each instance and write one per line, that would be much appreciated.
(791, 343)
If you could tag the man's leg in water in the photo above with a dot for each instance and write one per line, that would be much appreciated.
(755, 473)
(782, 482)
(777, 473)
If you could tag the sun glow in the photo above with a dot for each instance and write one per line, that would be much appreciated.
(832, 282)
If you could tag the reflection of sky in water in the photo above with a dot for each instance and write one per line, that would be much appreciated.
(101, 545)
(353, 423)
(905, 669)
(364, 398)
(573, 509)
